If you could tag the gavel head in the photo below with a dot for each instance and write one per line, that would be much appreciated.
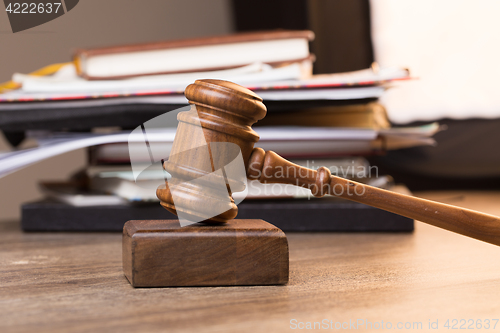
(211, 150)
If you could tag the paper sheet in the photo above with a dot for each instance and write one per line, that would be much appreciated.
(312, 138)
(283, 83)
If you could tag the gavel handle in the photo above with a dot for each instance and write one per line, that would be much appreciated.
(269, 167)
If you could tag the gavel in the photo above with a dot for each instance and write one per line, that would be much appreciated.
(225, 112)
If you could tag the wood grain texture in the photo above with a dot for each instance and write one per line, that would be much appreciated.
(269, 167)
(226, 111)
(159, 253)
(74, 282)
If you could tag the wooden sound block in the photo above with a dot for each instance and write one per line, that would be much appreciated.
(159, 253)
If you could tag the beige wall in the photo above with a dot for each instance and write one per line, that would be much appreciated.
(93, 23)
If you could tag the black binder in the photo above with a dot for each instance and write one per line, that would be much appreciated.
(324, 214)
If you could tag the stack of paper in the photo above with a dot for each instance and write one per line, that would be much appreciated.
(283, 83)
(292, 142)
(126, 86)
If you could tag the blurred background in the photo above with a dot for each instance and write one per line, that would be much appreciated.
(450, 46)
(93, 23)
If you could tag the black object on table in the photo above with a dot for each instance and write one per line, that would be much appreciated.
(325, 214)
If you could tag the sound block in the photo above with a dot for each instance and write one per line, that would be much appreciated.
(159, 253)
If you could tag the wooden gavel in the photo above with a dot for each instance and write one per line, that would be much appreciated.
(226, 111)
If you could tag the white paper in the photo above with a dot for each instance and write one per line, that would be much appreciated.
(270, 95)
(308, 139)
(452, 48)
(325, 94)
(281, 83)
(175, 82)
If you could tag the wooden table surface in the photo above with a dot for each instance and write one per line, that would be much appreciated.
(73, 282)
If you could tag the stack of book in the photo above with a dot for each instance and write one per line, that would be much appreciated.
(331, 120)
(127, 85)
